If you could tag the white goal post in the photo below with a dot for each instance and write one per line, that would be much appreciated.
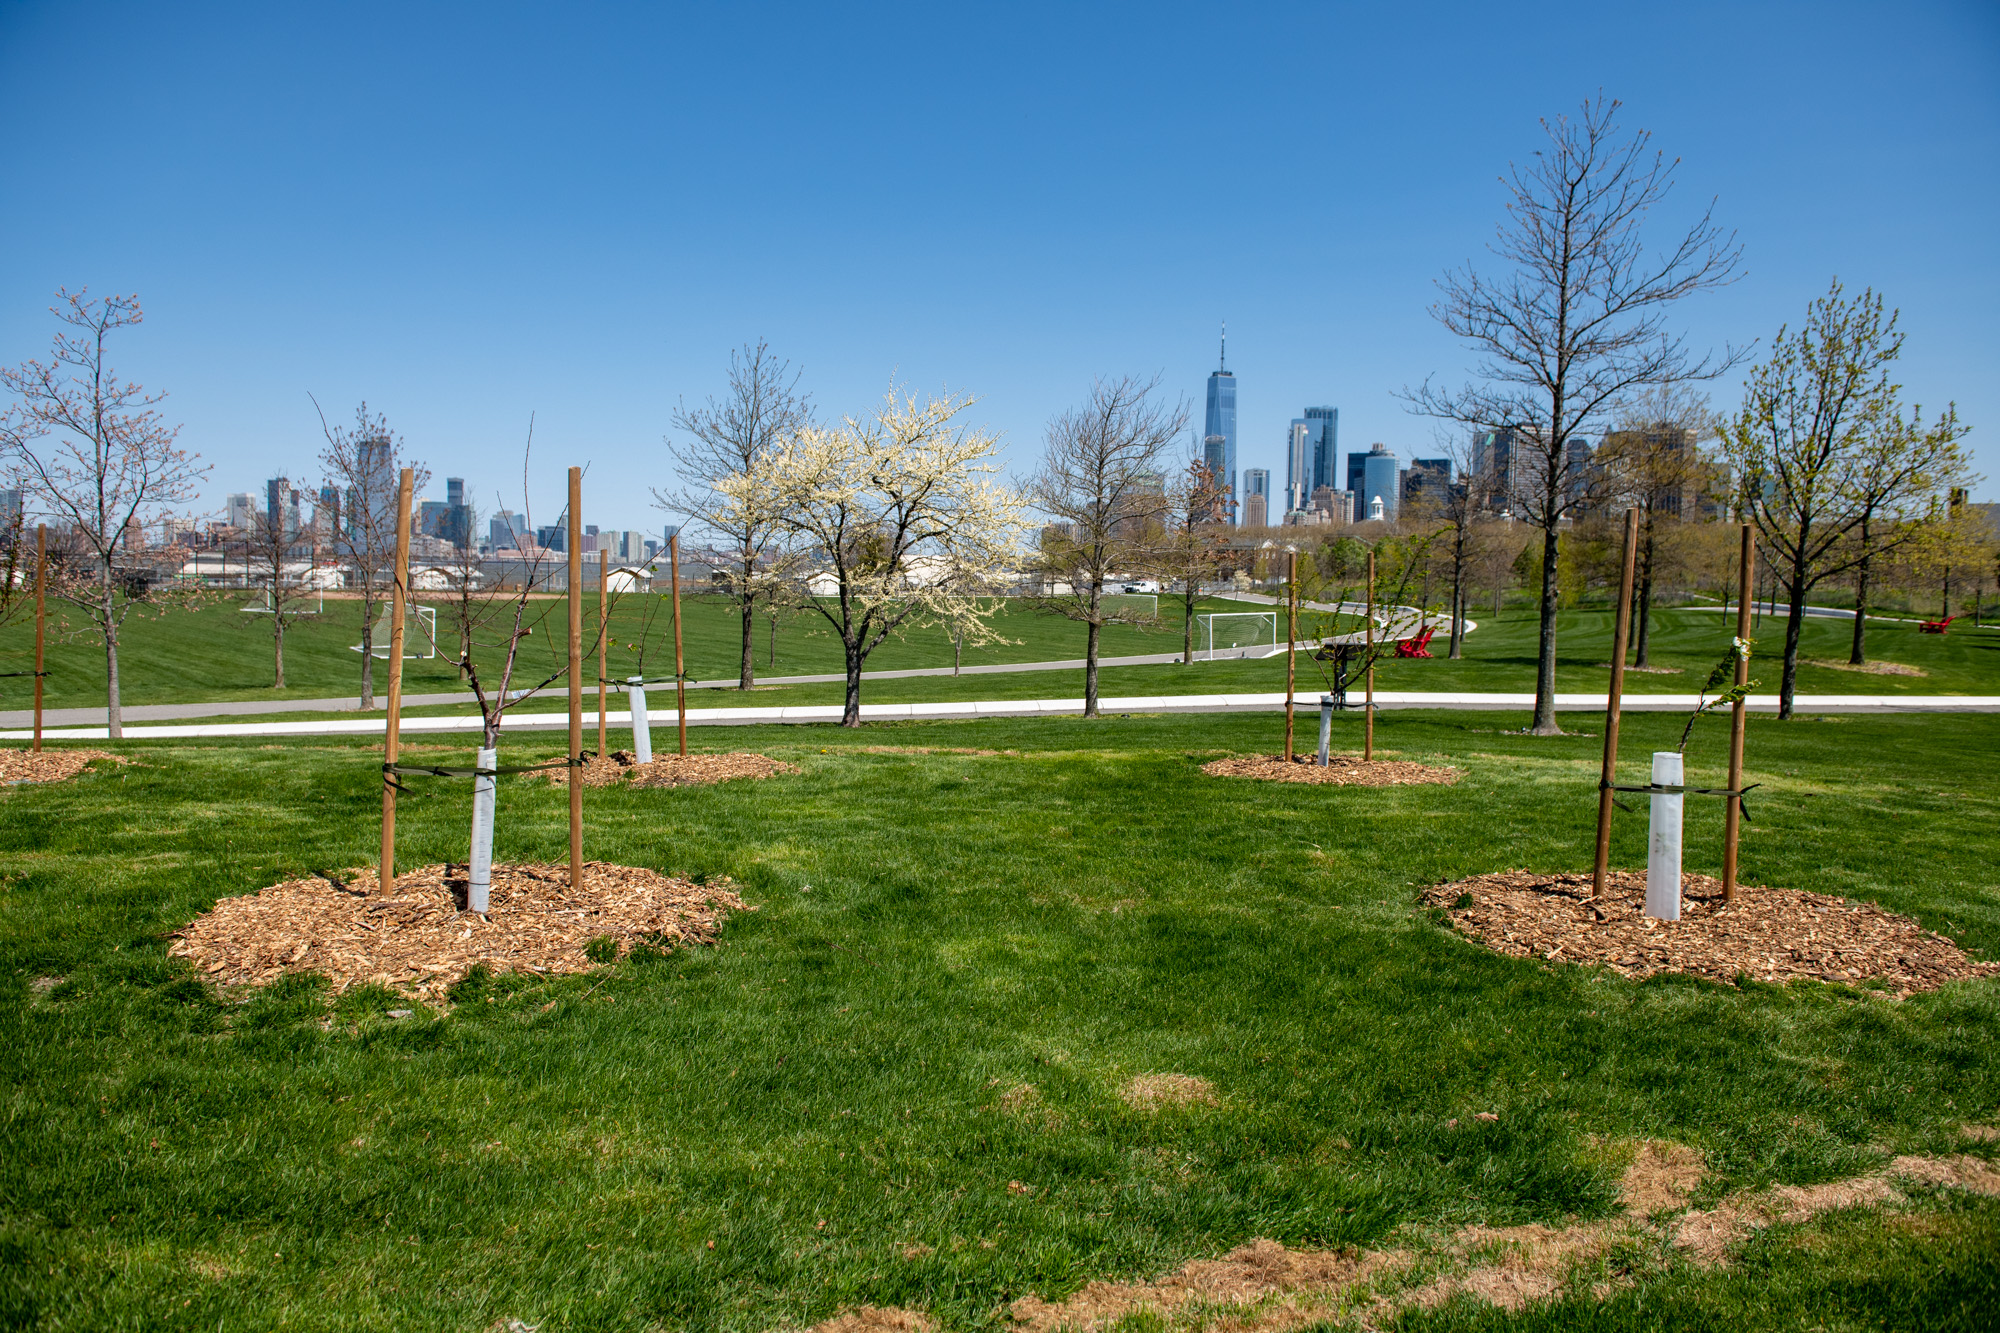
(1238, 633)
(1131, 605)
(420, 637)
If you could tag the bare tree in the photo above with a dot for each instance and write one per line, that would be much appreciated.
(1819, 435)
(1576, 324)
(1654, 462)
(363, 465)
(100, 459)
(1192, 543)
(272, 549)
(1102, 482)
(894, 521)
(725, 440)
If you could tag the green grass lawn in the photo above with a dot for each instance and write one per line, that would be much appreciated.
(747, 1137)
(216, 653)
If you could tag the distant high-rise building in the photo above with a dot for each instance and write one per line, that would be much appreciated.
(502, 532)
(281, 506)
(551, 538)
(1372, 476)
(457, 526)
(238, 509)
(1313, 452)
(430, 517)
(380, 485)
(1493, 464)
(326, 512)
(1256, 497)
(1426, 481)
(1218, 434)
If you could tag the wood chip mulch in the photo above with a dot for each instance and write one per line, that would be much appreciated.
(417, 939)
(18, 766)
(1342, 770)
(670, 770)
(1770, 935)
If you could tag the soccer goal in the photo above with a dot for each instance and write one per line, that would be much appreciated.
(1130, 605)
(266, 605)
(1238, 633)
(420, 637)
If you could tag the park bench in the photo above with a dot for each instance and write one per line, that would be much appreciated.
(1935, 626)
(1418, 646)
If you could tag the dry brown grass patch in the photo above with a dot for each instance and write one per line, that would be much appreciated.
(23, 766)
(1342, 770)
(1869, 668)
(1661, 1176)
(877, 1319)
(670, 770)
(1770, 935)
(1154, 1092)
(418, 940)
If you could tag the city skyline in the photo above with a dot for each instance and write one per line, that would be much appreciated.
(536, 254)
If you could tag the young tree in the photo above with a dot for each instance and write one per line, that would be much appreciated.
(724, 441)
(894, 520)
(363, 465)
(1576, 324)
(1191, 544)
(100, 459)
(1654, 462)
(1819, 426)
(1102, 481)
(271, 551)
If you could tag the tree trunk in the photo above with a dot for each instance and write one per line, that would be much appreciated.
(1645, 596)
(748, 677)
(1545, 656)
(277, 648)
(1457, 611)
(114, 714)
(1190, 595)
(850, 715)
(1794, 622)
(367, 652)
(1857, 653)
(1090, 671)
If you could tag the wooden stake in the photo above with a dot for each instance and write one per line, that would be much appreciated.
(680, 669)
(1291, 646)
(603, 632)
(1733, 809)
(576, 680)
(1608, 773)
(1368, 709)
(41, 619)
(392, 742)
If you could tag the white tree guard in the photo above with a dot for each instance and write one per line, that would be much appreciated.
(1663, 841)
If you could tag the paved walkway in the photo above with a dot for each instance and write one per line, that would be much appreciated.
(75, 717)
(663, 720)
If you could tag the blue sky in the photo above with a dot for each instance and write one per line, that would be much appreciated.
(467, 214)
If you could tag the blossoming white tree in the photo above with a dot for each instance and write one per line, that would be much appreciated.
(896, 521)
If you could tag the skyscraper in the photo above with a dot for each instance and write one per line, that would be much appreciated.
(1218, 435)
(1311, 460)
(1372, 476)
(1256, 509)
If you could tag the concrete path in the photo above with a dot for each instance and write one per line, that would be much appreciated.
(663, 720)
(72, 717)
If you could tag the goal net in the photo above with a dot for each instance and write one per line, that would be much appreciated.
(266, 605)
(419, 634)
(1238, 633)
(1130, 605)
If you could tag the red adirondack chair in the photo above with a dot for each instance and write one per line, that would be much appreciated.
(1418, 646)
(1935, 626)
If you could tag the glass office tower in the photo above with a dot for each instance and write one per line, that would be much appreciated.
(1218, 435)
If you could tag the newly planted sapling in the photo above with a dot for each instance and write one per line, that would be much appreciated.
(1739, 651)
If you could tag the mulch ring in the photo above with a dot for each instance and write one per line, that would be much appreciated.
(1342, 770)
(418, 940)
(670, 770)
(1769, 935)
(18, 766)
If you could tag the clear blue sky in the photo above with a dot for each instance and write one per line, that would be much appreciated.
(464, 214)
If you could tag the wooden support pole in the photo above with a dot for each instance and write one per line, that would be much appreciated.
(392, 742)
(1733, 809)
(576, 680)
(1291, 645)
(680, 668)
(41, 620)
(1608, 773)
(1368, 708)
(603, 647)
